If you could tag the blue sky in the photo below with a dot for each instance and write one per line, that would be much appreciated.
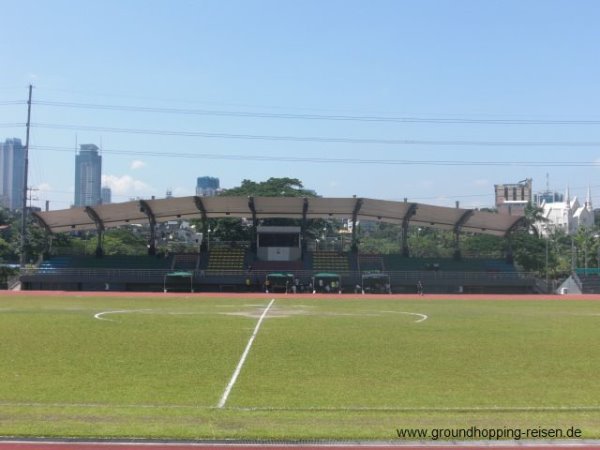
(516, 61)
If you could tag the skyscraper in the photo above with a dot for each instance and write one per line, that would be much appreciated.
(106, 195)
(207, 186)
(12, 172)
(88, 173)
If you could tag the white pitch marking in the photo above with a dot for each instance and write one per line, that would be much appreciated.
(238, 369)
(123, 311)
(423, 317)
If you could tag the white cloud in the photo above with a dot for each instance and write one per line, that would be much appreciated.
(481, 183)
(44, 187)
(126, 185)
(182, 191)
(137, 164)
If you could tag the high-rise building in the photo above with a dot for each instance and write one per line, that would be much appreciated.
(12, 173)
(88, 173)
(207, 186)
(548, 197)
(106, 194)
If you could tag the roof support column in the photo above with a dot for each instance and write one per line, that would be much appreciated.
(145, 208)
(508, 235)
(457, 228)
(254, 235)
(355, 211)
(411, 211)
(303, 228)
(91, 212)
(202, 209)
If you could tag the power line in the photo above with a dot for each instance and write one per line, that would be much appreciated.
(322, 160)
(207, 112)
(13, 102)
(338, 140)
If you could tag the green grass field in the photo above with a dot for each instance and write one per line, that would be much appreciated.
(318, 369)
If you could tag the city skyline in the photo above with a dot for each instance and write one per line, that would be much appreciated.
(434, 101)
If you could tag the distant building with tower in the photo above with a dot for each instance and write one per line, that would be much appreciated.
(207, 186)
(512, 198)
(106, 195)
(567, 215)
(88, 173)
(12, 172)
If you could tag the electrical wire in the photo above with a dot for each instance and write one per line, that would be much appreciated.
(361, 118)
(322, 160)
(13, 102)
(339, 140)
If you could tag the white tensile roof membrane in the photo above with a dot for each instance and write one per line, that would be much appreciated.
(161, 210)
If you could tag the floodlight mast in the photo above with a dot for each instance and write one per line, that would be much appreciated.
(23, 258)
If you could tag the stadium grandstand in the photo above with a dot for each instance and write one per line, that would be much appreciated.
(243, 266)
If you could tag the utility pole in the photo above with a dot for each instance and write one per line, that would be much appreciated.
(26, 170)
(31, 196)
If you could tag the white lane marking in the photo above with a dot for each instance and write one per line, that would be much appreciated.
(100, 315)
(238, 369)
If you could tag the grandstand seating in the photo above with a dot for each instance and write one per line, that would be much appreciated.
(56, 262)
(186, 261)
(401, 263)
(371, 263)
(328, 261)
(278, 266)
(498, 265)
(590, 282)
(226, 269)
(223, 258)
(106, 262)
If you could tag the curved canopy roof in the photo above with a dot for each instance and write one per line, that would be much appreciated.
(112, 215)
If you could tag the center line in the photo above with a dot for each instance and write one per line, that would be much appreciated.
(238, 369)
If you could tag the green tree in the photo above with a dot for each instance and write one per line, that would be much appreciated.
(529, 251)
(482, 244)
(559, 249)
(5, 250)
(125, 241)
(273, 187)
(229, 230)
(534, 215)
(384, 238)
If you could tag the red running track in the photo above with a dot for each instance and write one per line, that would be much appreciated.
(279, 295)
(24, 445)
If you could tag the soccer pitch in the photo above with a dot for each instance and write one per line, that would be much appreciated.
(284, 367)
